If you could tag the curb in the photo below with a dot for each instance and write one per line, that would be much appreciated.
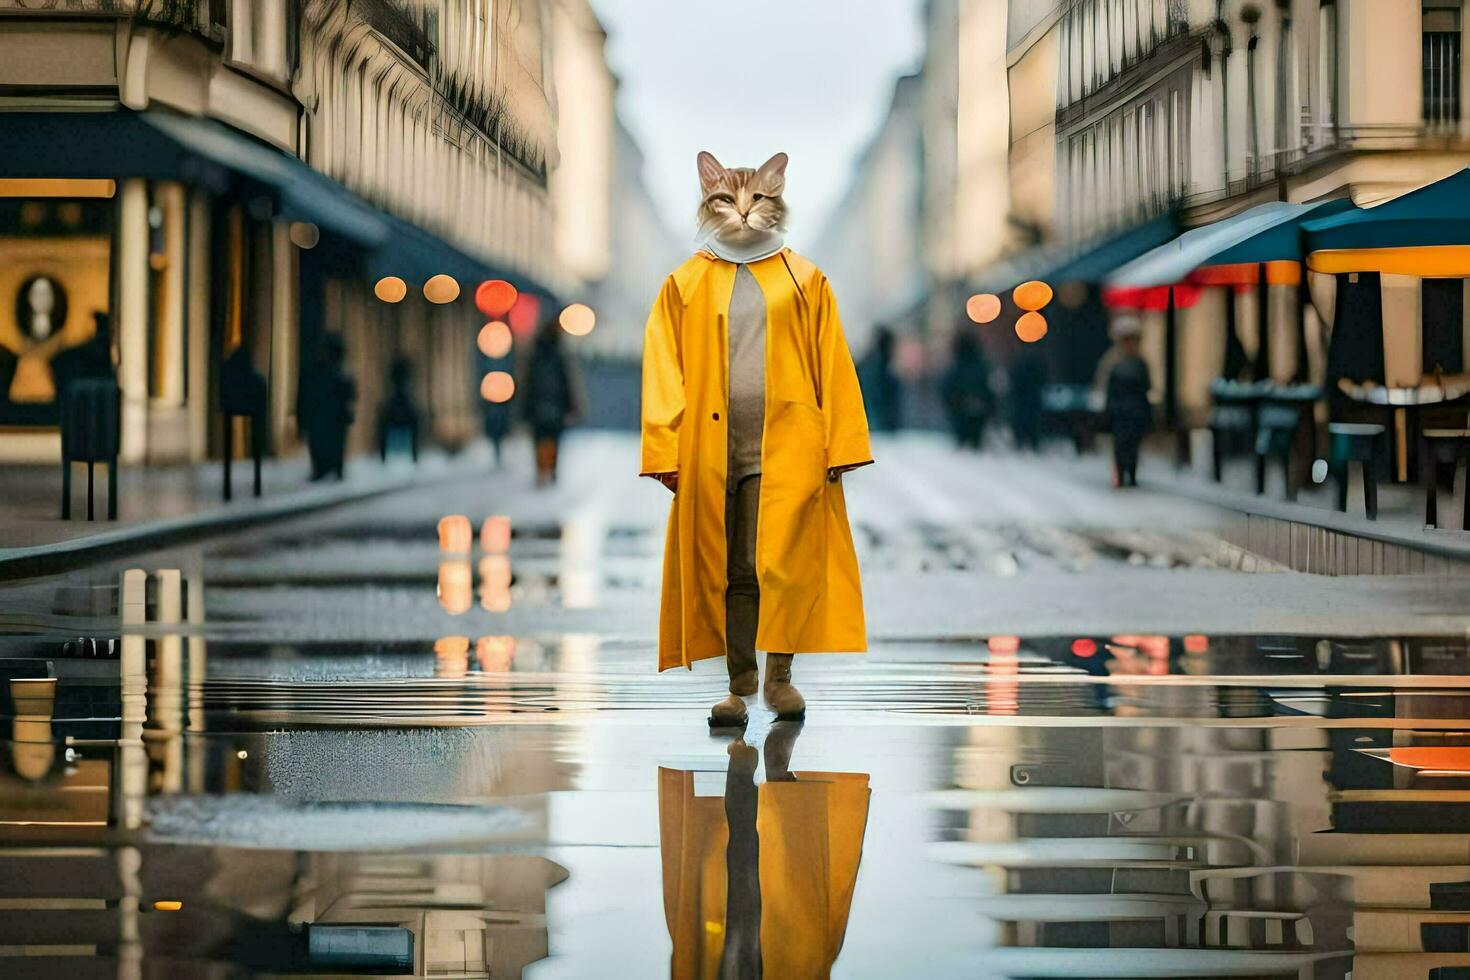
(1449, 544)
(46, 559)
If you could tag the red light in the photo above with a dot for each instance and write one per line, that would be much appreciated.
(1196, 643)
(524, 314)
(495, 297)
(1084, 647)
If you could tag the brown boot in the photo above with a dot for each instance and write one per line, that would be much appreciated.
(781, 697)
(744, 679)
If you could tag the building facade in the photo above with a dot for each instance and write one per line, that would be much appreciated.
(230, 174)
(1209, 108)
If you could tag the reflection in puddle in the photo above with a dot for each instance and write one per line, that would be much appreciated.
(1122, 804)
(758, 880)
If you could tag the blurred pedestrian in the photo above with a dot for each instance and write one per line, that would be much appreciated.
(327, 406)
(968, 399)
(882, 391)
(1130, 415)
(1027, 378)
(550, 395)
(92, 358)
(400, 413)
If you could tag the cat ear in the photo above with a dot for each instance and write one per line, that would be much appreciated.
(774, 169)
(710, 170)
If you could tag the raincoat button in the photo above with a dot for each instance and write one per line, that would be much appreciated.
(716, 416)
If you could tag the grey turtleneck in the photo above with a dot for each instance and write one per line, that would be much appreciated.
(747, 330)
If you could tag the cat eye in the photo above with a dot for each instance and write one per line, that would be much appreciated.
(722, 199)
(760, 197)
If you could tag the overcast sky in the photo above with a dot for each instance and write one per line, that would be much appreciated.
(746, 78)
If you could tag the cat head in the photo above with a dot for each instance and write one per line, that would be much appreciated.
(738, 204)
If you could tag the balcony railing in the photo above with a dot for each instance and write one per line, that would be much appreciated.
(203, 17)
(411, 28)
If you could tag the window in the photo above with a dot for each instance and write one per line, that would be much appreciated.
(1441, 65)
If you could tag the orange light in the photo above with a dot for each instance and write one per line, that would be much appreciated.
(524, 314)
(1031, 327)
(452, 646)
(983, 307)
(1196, 643)
(441, 289)
(390, 289)
(456, 587)
(167, 905)
(1032, 295)
(1003, 644)
(495, 534)
(495, 297)
(495, 583)
(453, 656)
(1084, 647)
(495, 653)
(497, 387)
(455, 534)
(494, 339)
(578, 319)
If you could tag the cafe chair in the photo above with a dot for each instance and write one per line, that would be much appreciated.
(1362, 443)
(1276, 430)
(1437, 447)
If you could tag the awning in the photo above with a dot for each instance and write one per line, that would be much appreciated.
(1437, 214)
(159, 145)
(1086, 262)
(1267, 233)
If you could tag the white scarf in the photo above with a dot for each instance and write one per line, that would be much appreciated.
(766, 244)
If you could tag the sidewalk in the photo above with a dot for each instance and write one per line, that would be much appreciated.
(1273, 527)
(161, 504)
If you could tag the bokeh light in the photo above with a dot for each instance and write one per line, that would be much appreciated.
(390, 289)
(495, 534)
(1031, 327)
(983, 307)
(495, 583)
(578, 319)
(1084, 647)
(456, 588)
(456, 536)
(524, 314)
(441, 289)
(495, 653)
(495, 297)
(304, 234)
(497, 387)
(1003, 644)
(1032, 295)
(1196, 643)
(494, 339)
(452, 656)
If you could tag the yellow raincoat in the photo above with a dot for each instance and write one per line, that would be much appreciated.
(811, 843)
(810, 596)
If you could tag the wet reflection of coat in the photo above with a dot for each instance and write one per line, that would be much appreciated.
(811, 842)
(811, 598)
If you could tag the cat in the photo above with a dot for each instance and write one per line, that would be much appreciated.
(741, 208)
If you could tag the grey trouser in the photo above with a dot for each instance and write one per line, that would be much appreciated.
(742, 592)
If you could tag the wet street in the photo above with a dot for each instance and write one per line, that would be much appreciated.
(1091, 739)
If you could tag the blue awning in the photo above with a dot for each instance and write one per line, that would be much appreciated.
(1437, 214)
(1266, 233)
(1086, 262)
(158, 145)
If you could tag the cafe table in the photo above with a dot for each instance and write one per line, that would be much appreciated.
(1432, 390)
